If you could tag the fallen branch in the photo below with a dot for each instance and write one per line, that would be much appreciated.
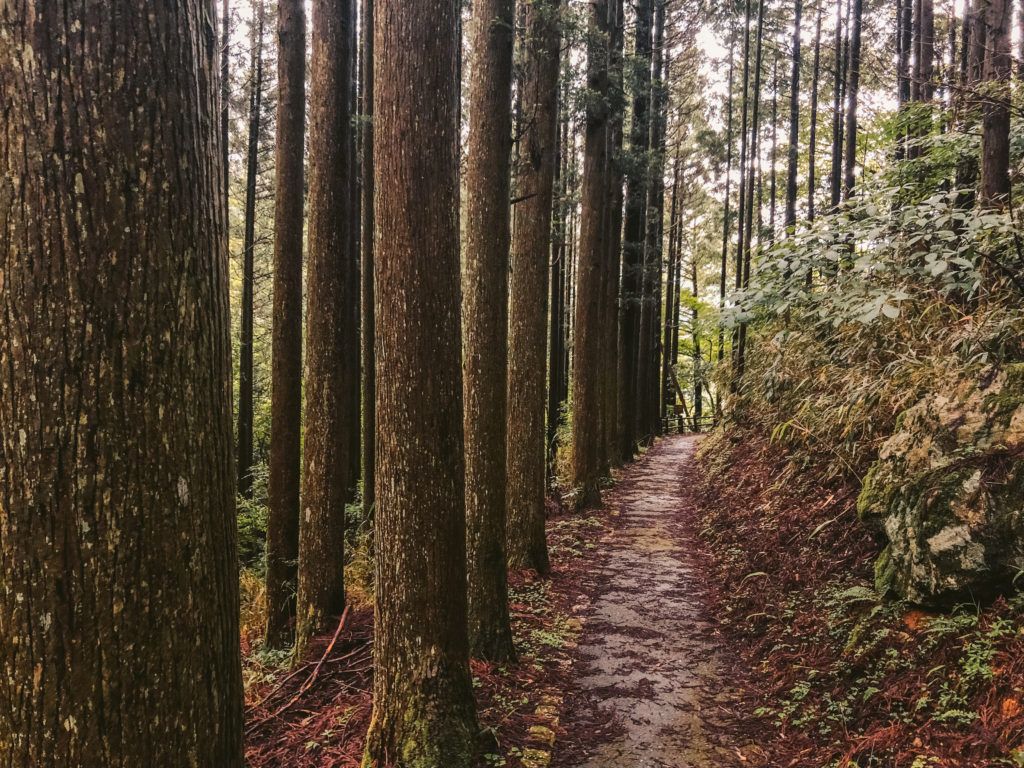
(309, 680)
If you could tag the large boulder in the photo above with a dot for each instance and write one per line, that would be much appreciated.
(947, 491)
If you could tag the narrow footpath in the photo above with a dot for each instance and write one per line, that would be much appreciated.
(648, 688)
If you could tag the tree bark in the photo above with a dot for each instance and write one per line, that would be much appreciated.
(485, 326)
(633, 233)
(755, 142)
(225, 91)
(527, 544)
(794, 121)
(995, 121)
(245, 344)
(286, 384)
(852, 93)
(812, 140)
(1020, 42)
(588, 336)
(773, 151)
(741, 201)
(978, 42)
(367, 264)
(671, 292)
(329, 331)
(698, 360)
(836, 177)
(353, 350)
(119, 607)
(649, 384)
(423, 714)
(924, 50)
(611, 453)
(726, 218)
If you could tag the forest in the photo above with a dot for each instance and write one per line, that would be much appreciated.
(527, 383)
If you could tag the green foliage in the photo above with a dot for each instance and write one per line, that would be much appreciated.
(910, 285)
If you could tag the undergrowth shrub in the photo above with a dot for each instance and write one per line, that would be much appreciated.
(910, 289)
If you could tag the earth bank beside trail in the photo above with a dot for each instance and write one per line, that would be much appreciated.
(832, 673)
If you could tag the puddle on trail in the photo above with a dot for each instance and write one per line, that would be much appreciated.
(647, 660)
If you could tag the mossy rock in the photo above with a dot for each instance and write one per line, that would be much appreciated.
(947, 491)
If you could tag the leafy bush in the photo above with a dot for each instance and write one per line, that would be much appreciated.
(908, 286)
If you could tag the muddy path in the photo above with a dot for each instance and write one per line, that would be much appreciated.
(649, 688)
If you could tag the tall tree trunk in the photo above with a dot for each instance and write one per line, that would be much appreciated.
(902, 55)
(649, 383)
(995, 121)
(773, 153)
(588, 337)
(676, 306)
(612, 455)
(225, 91)
(245, 344)
(119, 606)
(1020, 42)
(353, 349)
(558, 282)
(637, 180)
(978, 42)
(904, 30)
(423, 712)
(367, 264)
(966, 33)
(286, 405)
(755, 141)
(329, 332)
(835, 179)
(741, 202)
(852, 93)
(924, 49)
(812, 140)
(485, 326)
(555, 340)
(671, 292)
(698, 360)
(794, 121)
(726, 218)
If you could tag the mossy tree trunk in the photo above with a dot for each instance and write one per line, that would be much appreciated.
(118, 563)
(423, 714)
(527, 544)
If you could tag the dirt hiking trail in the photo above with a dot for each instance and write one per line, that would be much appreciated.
(648, 688)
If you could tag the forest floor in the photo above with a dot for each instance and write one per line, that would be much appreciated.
(713, 612)
(619, 664)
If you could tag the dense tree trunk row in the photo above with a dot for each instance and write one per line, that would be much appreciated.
(403, 369)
